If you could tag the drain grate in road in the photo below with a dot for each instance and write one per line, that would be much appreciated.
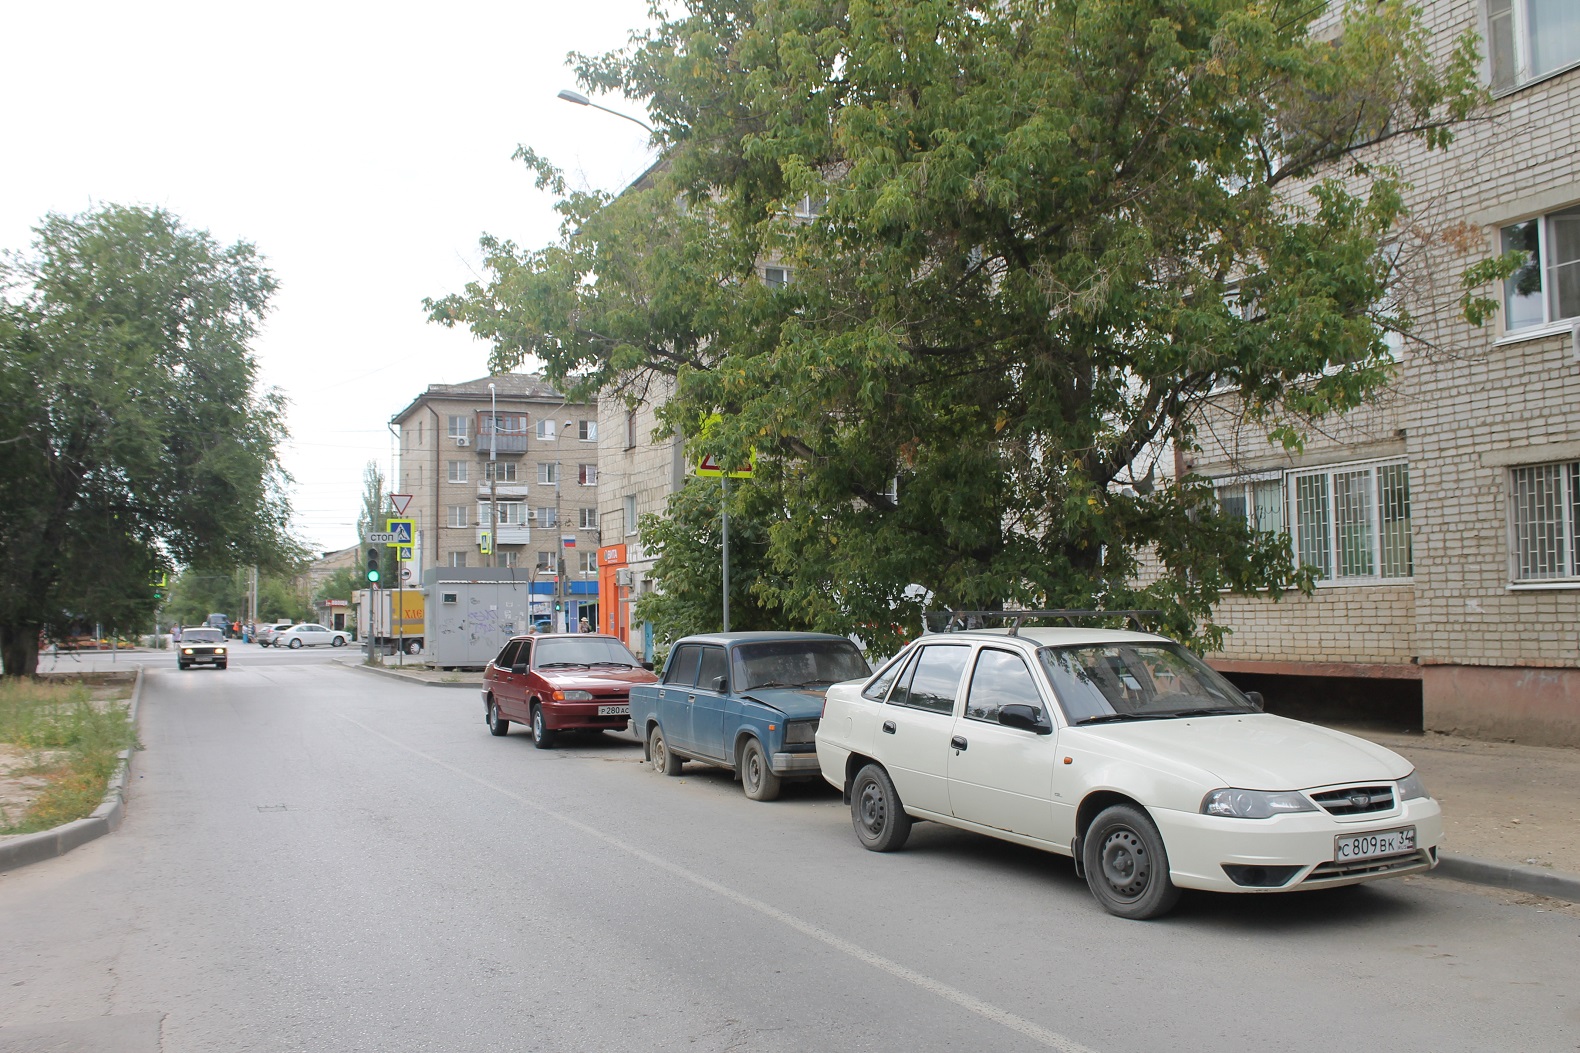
(271, 808)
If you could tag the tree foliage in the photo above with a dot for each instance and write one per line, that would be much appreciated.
(1040, 236)
(132, 434)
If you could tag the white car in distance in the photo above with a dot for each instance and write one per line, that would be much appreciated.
(309, 634)
(1126, 752)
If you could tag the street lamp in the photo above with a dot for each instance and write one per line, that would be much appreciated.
(581, 100)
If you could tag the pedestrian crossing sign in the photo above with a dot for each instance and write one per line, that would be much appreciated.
(402, 529)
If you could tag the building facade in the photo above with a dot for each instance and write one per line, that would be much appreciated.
(536, 456)
(1444, 520)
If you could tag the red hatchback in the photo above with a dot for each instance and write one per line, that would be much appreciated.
(560, 682)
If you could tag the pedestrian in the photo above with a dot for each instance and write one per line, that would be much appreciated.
(584, 626)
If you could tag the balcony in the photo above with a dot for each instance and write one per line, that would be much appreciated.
(509, 534)
(510, 433)
(512, 490)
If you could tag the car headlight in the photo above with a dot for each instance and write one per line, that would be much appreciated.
(800, 732)
(219, 650)
(1411, 787)
(186, 650)
(573, 696)
(1254, 804)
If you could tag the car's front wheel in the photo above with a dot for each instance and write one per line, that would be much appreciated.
(339, 641)
(542, 737)
(876, 812)
(757, 778)
(296, 642)
(1127, 867)
(663, 760)
(414, 648)
(497, 725)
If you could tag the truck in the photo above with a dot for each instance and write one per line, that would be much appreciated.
(392, 617)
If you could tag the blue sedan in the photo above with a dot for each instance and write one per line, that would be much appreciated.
(749, 702)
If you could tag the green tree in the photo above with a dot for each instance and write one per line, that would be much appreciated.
(133, 438)
(1024, 242)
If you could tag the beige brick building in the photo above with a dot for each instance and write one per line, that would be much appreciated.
(545, 476)
(1446, 518)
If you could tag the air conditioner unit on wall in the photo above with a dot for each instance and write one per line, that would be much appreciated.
(532, 515)
(462, 440)
(622, 576)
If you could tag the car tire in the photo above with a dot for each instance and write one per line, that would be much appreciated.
(182, 666)
(1126, 864)
(876, 812)
(296, 642)
(223, 665)
(542, 737)
(757, 778)
(415, 647)
(497, 725)
(338, 641)
(664, 761)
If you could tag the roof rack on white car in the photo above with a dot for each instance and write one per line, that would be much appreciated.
(960, 620)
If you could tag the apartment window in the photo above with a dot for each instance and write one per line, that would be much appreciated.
(457, 471)
(1528, 39)
(776, 277)
(587, 518)
(1259, 502)
(588, 561)
(500, 471)
(1546, 521)
(630, 514)
(508, 558)
(457, 426)
(630, 429)
(549, 474)
(512, 513)
(1352, 523)
(587, 430)
(458, 559)
(548, 516)
(545, 428)
(546, 561)
(587, 474)
(1547, 287)
(458, 516)
(810, 207)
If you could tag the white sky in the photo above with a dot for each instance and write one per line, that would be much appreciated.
(361, 147)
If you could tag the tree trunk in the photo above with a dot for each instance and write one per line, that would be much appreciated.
(19, 649)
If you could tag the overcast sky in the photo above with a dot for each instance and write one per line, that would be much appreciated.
(361, 147)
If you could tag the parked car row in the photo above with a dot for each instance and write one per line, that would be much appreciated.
(1119, 749)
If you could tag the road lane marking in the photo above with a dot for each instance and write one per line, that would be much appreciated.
(986, 1010)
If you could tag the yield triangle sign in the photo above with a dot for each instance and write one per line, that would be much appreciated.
(399, 502)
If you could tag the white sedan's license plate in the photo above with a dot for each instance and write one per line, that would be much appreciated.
(1376, 843)
(614, 711)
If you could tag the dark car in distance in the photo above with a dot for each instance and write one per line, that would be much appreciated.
(554, 682)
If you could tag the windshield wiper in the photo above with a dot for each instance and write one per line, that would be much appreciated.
(617, 665)
(563, 665)
(1105, 718)
(774, 683)
(1218, 712)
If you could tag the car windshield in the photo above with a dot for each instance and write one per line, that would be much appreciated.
(1137, 681)
(201, 636)
(798, 663)
(590, 651)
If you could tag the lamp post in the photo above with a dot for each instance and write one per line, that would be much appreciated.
(493, 475)
(561, 621)
(581, 100)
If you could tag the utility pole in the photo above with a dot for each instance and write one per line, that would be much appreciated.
(493, 476)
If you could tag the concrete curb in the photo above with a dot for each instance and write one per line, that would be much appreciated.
(47, 844)
(1534, 880)
(470, 685)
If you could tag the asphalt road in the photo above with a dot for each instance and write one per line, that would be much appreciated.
(315, 859)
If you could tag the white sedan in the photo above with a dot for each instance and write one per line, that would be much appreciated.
(309, 635)
(1126, 752)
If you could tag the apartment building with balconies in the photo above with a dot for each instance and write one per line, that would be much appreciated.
(517, 462)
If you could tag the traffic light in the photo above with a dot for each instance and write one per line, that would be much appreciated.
(558, 605)
(159, 584)
(373, 563)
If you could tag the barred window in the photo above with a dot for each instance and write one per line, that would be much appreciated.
(1352, 523)
(1546, 521)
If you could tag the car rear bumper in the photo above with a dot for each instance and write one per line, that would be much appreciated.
(1292, 851)
(795, 764)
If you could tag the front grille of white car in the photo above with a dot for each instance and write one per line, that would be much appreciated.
(1418, 859)
(1356, 800)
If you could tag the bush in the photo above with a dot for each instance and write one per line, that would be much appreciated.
(73, 743)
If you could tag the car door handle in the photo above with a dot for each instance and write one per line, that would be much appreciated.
(888, 727)
(958, 742)
(691, 698)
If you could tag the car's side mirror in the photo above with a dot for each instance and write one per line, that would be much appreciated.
(1026, 718)
(1257, 700)
(648, 666)
(719, 684)
(519, 667)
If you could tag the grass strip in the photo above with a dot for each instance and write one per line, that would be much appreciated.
(69, 740)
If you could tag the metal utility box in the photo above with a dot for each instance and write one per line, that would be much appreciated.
(471, 612)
